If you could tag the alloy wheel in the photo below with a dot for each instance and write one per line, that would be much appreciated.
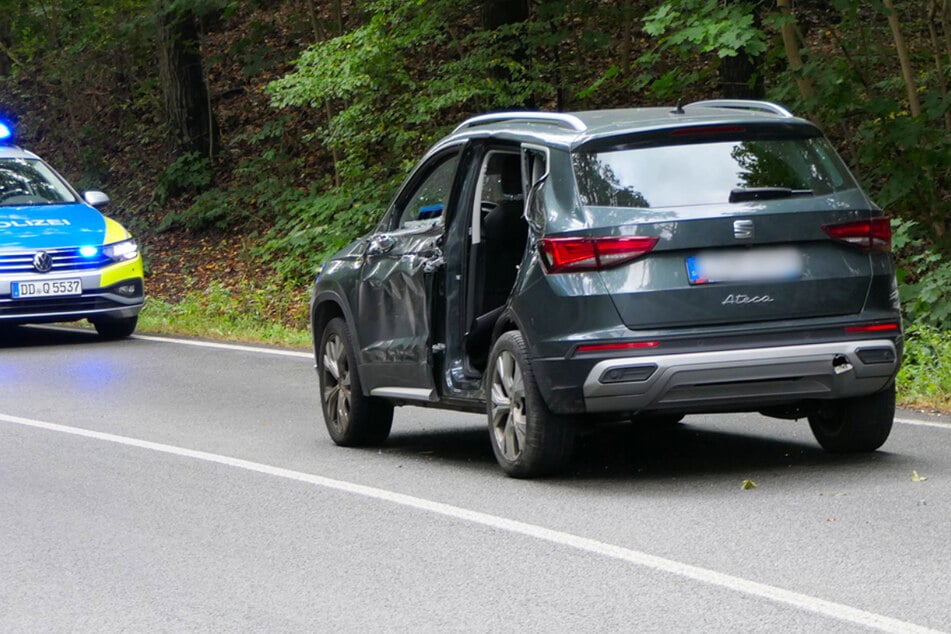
(336, 382)
(509, 409)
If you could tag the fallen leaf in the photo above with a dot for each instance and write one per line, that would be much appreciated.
(917, 478)
(747, 485)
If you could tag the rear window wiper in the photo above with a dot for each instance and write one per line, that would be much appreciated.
(765, 193)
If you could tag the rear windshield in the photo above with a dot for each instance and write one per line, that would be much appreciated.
(714, 172)
(30, 182)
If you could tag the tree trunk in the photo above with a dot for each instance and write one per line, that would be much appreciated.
(791, 44)
(904, 59)
(740, 77)
(191, 121)
(496, 13)
(938, 54)
(6, 57)
(499, 13)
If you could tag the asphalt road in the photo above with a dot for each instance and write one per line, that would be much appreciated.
(154, 485)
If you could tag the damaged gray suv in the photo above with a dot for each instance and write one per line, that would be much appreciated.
(558, 270)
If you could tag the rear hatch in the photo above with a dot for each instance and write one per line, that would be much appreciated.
(744, 224)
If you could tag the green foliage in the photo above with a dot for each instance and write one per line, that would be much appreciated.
(924, 277)
(686, 29)
(383, 89)
(189, 173)
(903, 161)
(316, 226)
(707, 26)
(925, 376)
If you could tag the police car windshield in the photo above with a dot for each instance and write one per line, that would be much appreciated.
(25, 182)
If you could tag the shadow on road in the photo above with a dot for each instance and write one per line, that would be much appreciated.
(650, 452)
(37, 336)
(684, 450)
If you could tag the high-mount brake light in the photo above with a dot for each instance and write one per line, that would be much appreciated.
(708, 130)
(874, 234)
(570, 255)
(610, 347)
(889, 327)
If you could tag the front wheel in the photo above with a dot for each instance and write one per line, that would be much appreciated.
(527, 439)
(110, 329)
(854, 425)
(352, 418)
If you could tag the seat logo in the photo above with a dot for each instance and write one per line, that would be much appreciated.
(743, 229)
(42, 262)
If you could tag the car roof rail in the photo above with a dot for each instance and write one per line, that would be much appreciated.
(744, 104)
(560, 119)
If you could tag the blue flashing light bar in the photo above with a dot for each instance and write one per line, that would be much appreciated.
(6, 132)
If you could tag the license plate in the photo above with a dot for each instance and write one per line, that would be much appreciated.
(756, 265)
(46, 288)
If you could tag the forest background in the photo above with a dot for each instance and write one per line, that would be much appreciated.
(243, 141)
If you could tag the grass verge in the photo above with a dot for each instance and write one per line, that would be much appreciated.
(273, 315)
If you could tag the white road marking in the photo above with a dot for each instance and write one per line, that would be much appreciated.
(934, 424)
(796, 600)
(228, 346)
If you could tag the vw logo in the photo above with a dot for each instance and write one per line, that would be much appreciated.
(42, 262)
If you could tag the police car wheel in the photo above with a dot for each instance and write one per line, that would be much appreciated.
(115, 328)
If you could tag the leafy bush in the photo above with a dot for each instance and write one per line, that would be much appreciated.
(925, 376)
(924, 276)
(191, 172)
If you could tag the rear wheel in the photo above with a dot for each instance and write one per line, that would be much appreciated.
(855, 425)
(352, 418)
(115, 328)
(527, 439)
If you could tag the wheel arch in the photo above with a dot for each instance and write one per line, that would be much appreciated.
(508, 321)
(326, 306)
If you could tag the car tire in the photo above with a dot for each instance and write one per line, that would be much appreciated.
(855, 425)
(111, 329)
(352, 418)
(527, 439)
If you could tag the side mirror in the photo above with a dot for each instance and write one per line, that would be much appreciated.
(96, 199)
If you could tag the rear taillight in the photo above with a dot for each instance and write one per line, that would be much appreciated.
(874, 234)
(568, 255)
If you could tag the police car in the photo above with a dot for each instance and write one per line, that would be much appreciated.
(60, 259)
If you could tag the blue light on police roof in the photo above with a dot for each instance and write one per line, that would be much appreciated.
(5, 131)
(88, 252)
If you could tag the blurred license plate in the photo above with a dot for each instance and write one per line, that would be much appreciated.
(748, 265)
(46, 288)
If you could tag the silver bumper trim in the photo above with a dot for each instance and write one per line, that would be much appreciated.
(757, 376)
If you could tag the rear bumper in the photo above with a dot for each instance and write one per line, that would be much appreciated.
(725, 380)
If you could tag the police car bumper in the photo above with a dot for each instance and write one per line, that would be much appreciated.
(113, 292)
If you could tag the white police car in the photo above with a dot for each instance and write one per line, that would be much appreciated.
(60, 259)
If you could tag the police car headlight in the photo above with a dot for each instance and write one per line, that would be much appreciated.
(121, 251)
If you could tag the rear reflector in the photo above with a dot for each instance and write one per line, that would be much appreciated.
(568, 255)
(609, 347)
(889, 327)
(874, 234)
